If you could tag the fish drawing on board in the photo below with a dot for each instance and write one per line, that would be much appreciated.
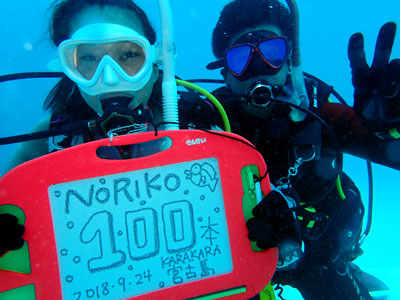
(202, 175)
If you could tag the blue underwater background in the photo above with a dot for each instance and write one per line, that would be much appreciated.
(325, 27)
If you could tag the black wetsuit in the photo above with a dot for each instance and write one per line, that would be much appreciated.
(330, 226)
(193, 113)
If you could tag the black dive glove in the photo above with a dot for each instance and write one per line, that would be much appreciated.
(376, 88)
(10, 233)
(273, 224)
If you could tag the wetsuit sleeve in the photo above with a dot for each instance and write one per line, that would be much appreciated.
(358, 140)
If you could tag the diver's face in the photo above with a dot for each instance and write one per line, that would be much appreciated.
(258, 70)
(128, 55)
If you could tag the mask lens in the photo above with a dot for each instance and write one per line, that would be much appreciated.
(128, 55)
(274, 51)
(237, 58)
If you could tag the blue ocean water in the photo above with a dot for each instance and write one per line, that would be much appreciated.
(324, 32)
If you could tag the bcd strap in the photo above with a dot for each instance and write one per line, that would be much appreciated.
(306, 143)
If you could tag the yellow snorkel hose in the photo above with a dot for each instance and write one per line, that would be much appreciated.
(210, 97)
(339, 187)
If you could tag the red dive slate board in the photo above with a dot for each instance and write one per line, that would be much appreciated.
(169, 225)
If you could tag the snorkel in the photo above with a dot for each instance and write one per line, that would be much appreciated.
(297, 77)
(169, 88)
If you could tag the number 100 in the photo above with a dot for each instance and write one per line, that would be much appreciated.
(142, 232)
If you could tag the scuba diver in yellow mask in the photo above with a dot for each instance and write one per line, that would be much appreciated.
(302, 137)
(108, 52)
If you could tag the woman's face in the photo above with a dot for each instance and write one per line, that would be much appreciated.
(129, 56)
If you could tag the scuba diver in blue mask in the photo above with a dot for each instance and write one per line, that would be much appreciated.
(302, 136)
(107, 49)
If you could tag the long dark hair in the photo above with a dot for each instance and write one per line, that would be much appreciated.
(64, 12)
(65, 98)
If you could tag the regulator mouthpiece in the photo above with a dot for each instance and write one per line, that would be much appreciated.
(119, 119)
(262, 94)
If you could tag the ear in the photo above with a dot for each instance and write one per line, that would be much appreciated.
(289, 59)
(155, 73)
(289, 63)
(224, 73)
(228, 78)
